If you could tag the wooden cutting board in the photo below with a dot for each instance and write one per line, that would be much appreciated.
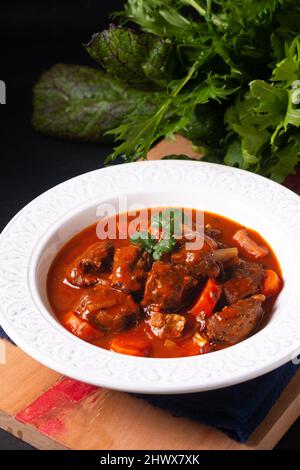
(54, 412)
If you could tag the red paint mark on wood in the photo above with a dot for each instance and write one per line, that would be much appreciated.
(73, 389)
(47, 411)
(51, 427)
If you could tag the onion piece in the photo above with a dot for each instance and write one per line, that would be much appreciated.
(225, 254)
(199, 340)
(252, 248)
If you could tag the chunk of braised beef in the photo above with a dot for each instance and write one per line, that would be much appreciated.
(167, 286)
(198, 262)
(213, 233)
(166, 325)
(236, 322)
(108, 309)
(130, 268)
(245, 279)
(231, 263)
(87, 268)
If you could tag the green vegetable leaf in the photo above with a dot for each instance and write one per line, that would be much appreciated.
(263, 106)
(160, 17)
(156, 248)
(144, 241)
(292, 115)
(234, 155)
(287, 159)
(139, 59)
(167, 223)
(138, 135)
(252, 143)
(162, 247)
(172, 116)
(81, 103)
(261, 118)
(223, 73)
(288, 69)
(172, 19)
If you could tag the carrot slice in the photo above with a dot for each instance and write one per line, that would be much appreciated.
(192, 348)
(172, 349)
(81, 328)
(186, 347)
(207, 300)
(131, 345)
(271, 283)
(246, 242)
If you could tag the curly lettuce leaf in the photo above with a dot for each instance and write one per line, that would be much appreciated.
(288, 69)
(233, 30)
(234, 155)
(286, 158)
(160, 17)
(263, 124)
(81, 103)
(172, 116)
(139, 59)
(234, 91)
(264, 105)
(172, 19)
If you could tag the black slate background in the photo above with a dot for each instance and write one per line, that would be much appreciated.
(33, 36)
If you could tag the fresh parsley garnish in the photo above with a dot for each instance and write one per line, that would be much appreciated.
(144, 240)
(166, 224)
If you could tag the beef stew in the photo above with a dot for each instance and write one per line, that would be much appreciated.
(156, 296)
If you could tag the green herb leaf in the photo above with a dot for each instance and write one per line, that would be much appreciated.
(144, 241)
(140, 59)
(288, 70)
(234, 155)
(168, 223)
(287, 159)
(162, 247)
(81, 103)
(265, 119)
(233, 91)
(172, 116)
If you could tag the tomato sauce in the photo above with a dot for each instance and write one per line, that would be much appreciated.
(63, 296)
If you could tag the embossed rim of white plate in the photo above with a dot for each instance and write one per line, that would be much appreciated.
(53, 346)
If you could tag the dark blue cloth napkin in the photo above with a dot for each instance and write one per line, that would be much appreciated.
(4, 335)
(235, 410)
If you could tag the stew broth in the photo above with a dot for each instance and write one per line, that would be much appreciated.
(140, 336)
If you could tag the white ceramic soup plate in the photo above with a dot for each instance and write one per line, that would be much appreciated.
(31, 240)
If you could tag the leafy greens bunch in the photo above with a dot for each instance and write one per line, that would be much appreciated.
(223, 73)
